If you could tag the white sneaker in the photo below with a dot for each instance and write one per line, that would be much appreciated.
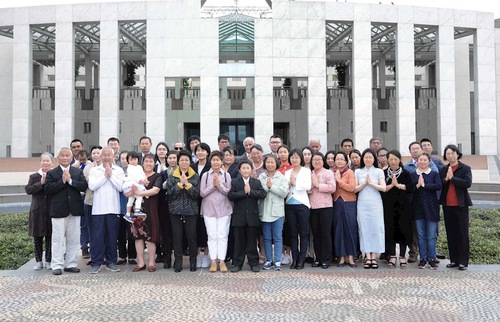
(205, 261)
(48, 266)
(198, 260)
(286, 259)
(38, 266)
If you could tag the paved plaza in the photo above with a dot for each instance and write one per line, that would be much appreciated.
(336, 294)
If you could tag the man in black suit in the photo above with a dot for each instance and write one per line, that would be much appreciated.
(145, 145)
(64, 183)
(245, 193)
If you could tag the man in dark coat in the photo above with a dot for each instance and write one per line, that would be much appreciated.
(245, 193)
(65, 183)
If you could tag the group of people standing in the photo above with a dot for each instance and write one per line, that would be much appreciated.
(275, 209)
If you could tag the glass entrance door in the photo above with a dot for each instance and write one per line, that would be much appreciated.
(237, 130)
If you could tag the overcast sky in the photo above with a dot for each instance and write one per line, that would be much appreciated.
(479, 5)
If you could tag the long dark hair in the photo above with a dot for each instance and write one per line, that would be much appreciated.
(365, 152)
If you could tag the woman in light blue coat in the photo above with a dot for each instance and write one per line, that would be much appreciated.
(272, 211)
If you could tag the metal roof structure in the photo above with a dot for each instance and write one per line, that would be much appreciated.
(383, 37)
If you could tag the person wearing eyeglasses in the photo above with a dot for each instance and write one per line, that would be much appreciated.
(274, 144)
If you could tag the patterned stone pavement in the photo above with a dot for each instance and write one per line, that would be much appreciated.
(336, 294)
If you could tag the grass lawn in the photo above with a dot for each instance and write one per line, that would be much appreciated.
(16, 247)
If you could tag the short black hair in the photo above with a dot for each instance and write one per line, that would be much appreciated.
(258, 147)
(83, 153)
(346, 140)
(203, 146)
(413, 143)
(299, 153)
(397, 154)
(272, 156)
(223, 137)
(453, 148)
(95, 147)
(183, 152)
(113, 139)
(245, 162)
(144, 138)
(425, 140)
(132, 155)
(216, 154)
(76, 140)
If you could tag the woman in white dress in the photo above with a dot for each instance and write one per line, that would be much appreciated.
(370, 181)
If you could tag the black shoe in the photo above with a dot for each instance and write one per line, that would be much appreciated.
(383, 257)
(462, 267)
(451, 265)
(440, 256)
(300, 264)
(167, 263)
(293, 265)
(89, 262)
(316, 264)
(309, 260)
(132, 261)
(325, 266)
(255, 269)
(235, 269)
(85, 253)
(57, 272)
(192, 264)
(177, 266)
(72, 269)
(121, 261)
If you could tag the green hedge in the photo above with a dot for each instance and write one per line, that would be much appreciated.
(16, 247)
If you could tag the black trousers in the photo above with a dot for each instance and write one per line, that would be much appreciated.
(245, 242)
(321, 225)
(298, 219)
(38, 243)
(456, 221)
(125, 250)
(187, 228)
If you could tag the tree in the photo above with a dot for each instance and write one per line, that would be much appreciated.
(130, 80)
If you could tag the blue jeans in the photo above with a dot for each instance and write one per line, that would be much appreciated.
(427, 236)
(298, 219)
(273, 231)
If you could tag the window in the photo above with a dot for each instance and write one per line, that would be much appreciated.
(352, 127)
(418, 78)
(383, 127)
(144, 128)
(120, 127)
(87, 127)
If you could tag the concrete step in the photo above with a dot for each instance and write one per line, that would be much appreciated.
(14, 197)
(485, 186)
(7, 189)
(484, 195)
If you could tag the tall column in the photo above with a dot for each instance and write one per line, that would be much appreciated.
(96, 76)
(250, 83)
(264, 113)
(155, 77)
(361, 86)
(64, 113)
(484, 89)
(381, 76)
(22, 85)
(405, 86)
(88, 76)
(109, 98)
(223, 87)
(445, 86)
(209, 79)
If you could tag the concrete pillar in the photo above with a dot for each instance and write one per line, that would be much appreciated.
(155, 77)
(381, 76)
(445, 87)
(178, 88)
(223, 88)
(22, 84)
(109, 80)
(250, 83)
(264, 114)
(88, 76)
(361, 85)
(96, 76)
(484, 87)
(65, 85)
(405, 86)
